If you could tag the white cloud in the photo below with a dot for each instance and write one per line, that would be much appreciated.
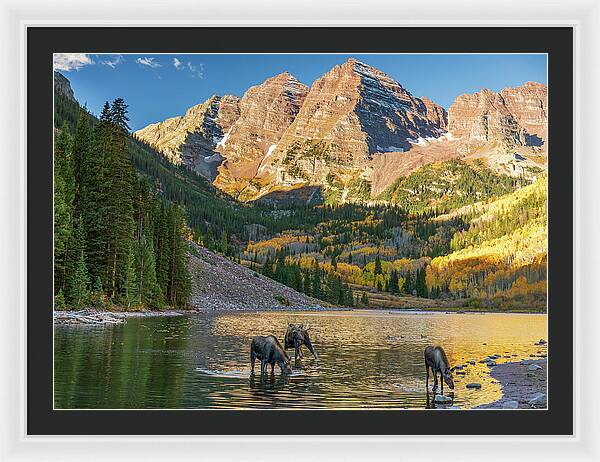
(148, 62)
(178, 64)
(113, 61)
(197, 71)
(71, 61)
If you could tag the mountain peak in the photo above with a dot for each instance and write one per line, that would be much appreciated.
(513, 117)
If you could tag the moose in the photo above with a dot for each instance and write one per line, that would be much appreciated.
(269, 351)
(296, 336)
(435, 358)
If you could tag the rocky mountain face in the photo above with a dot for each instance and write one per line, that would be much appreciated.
(436, 113)
(350, 114)
(512, 117)
(266, 111)
(192, 139)
(355, 129)
(529, 106)
(506, 130)
(63, 86)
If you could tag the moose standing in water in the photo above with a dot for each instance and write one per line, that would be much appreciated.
(435, 358)
(296, 336)
(269, 351)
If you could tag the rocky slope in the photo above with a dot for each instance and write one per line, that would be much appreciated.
(266, 111)
(192, 139)
(63, 86)
(220, 284)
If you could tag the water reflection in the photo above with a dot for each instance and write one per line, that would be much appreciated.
(366, 360)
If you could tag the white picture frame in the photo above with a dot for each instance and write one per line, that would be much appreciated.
(17, 15)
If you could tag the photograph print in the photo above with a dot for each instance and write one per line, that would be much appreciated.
(300, 231)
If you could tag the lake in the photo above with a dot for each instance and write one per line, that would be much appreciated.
(367, 359)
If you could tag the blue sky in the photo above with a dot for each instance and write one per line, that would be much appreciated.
(160, 86)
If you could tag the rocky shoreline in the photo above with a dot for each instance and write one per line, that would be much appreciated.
(524, 385)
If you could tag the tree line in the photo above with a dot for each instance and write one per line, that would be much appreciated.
(116, 242)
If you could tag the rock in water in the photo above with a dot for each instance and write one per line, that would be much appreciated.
(473, 385)
(442, 399)
(538, 400)
(512, 404)
(533, 367)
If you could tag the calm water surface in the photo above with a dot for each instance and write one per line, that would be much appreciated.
(366, 360)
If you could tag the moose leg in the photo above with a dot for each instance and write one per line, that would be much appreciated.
(310, 347)
(263, 367)
(434, 379)
(252, 360)
(427, 379)
(272, 368)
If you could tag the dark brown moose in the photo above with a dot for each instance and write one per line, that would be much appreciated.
(269, 351)
(435, 358)
(296, 336)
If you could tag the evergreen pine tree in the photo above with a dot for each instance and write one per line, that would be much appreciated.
(132, 293)
(81, 152)
(179, 279)
(378, 269)
(224, 242)
(148, 291)
(118, 200)
(393, 284)
(364, 300)
(316, 280)
(93, 193)
(62, 208)
(79, 280)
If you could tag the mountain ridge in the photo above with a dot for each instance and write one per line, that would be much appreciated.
(356, 124)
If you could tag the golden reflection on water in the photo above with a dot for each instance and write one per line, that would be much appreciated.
(367, 359)
(375, 358)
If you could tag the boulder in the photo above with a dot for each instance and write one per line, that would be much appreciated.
(533, 367)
